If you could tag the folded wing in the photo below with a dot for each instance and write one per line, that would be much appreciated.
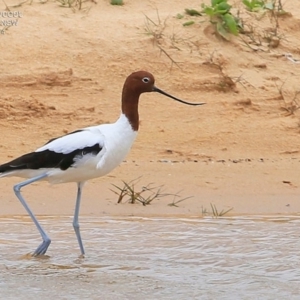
(61, 152)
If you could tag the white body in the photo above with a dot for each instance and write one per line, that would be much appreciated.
(115, 140)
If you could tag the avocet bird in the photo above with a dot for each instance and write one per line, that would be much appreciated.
(85, 153)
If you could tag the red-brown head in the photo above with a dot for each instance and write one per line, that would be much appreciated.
(139, 82)
(136, 84)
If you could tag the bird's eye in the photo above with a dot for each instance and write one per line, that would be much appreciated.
(146, 79)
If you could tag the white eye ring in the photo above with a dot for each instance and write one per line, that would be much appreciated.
(146, 79)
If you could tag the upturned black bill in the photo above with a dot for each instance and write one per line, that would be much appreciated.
(155, 89)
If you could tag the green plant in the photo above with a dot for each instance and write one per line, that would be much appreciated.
(116, 2)
(188, 23)
(192, 12)
(260, 38)
(254, 5)
(257, 5)
(220, 15)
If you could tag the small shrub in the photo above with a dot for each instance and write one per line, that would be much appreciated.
(220, 15)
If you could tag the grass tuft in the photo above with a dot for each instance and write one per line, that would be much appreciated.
(144, 195)
(215, 213)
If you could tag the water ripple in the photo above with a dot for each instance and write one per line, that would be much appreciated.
(153, 258)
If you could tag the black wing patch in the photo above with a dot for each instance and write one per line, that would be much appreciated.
(48, 159)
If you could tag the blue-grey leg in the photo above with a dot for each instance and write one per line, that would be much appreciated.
(46, 240)
(76, 214)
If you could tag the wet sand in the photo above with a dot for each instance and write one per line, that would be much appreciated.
(225, 184)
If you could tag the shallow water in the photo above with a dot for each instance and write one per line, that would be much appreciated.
(141, 258)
